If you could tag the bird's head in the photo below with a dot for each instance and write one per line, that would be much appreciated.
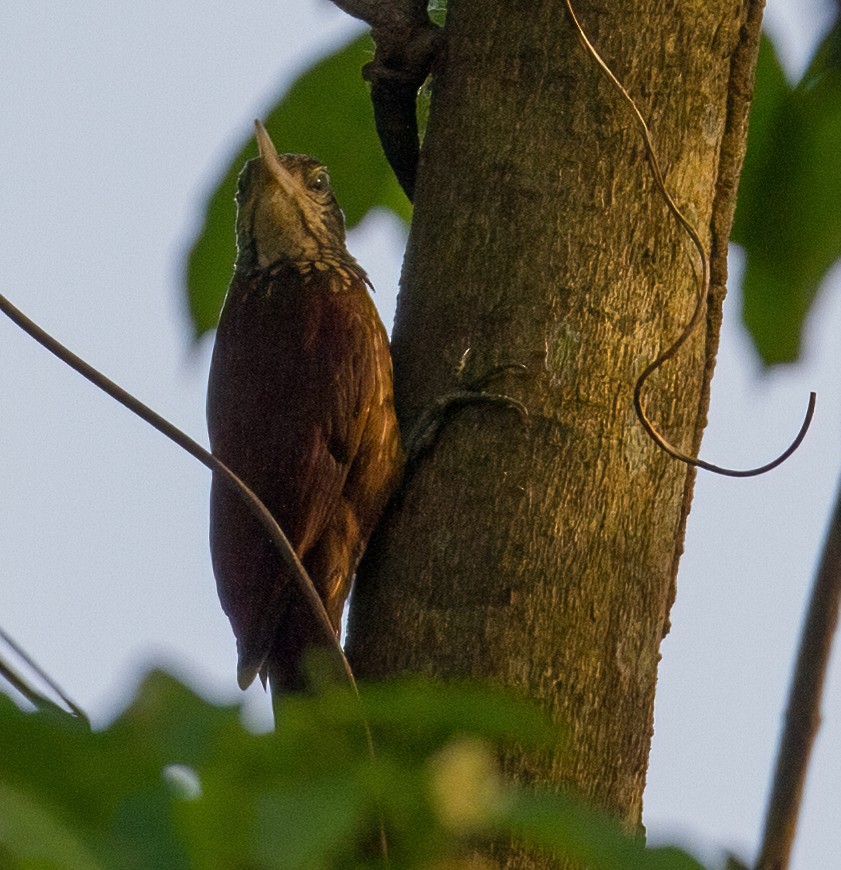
(286, 210)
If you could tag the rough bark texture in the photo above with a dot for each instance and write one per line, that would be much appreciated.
(545, 556)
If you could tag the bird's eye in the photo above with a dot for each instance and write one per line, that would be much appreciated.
(320, 182)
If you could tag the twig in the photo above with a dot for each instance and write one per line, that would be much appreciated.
(260, 511)
(803, 715)
(703, 281)
(407, 44)
(32, 695)
(386, 14)
(39, 701)
(207, 459)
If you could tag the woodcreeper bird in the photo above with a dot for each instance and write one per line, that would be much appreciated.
(300, 406)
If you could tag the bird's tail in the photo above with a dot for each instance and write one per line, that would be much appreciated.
(301, 659)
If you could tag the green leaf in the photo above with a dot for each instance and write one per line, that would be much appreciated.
(437, 10)
(325, 815)
(33, 834)
(307, 796)
(425, 712)
(788, 217)
(566, 827)
(103, 793)
(327, 113)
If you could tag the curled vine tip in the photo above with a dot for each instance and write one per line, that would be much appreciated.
(675, 453)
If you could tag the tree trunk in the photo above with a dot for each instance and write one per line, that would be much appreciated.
(544, 556)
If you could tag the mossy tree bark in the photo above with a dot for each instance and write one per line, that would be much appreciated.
(544, 556)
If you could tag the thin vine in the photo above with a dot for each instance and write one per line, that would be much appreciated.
(700, 299)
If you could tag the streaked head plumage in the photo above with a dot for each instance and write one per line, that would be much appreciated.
(286, 210)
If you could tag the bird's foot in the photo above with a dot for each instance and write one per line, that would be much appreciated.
(471, 391)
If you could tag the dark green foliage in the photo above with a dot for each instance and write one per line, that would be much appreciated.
(176, 782)
(326, 113)
(788, 217)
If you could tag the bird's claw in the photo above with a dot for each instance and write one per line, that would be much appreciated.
(474, 391)
(480, 383)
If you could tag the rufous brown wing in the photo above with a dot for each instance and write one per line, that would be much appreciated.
(300, 406)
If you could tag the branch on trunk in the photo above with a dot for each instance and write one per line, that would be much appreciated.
(407, 43)
(803, 716)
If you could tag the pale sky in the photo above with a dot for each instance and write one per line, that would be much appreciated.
(116, 121)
